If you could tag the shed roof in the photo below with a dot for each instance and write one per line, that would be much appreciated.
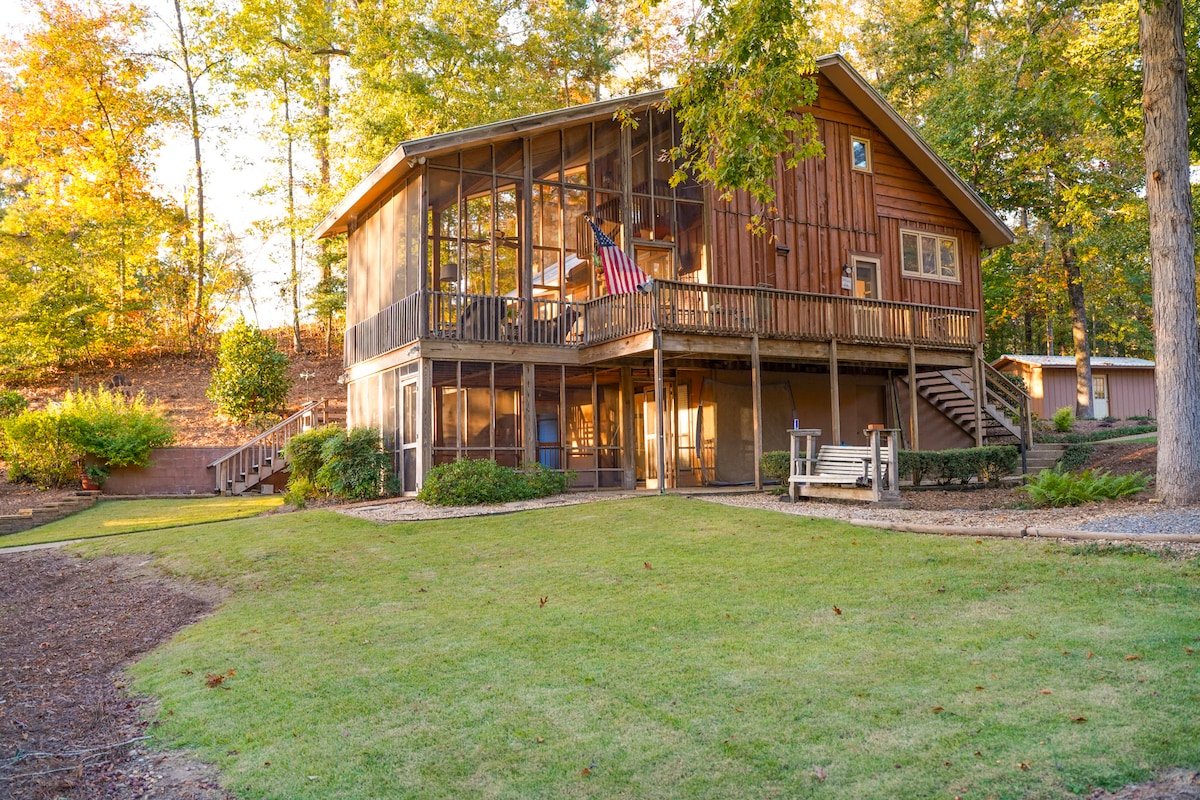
(993, 231)
(1055, 362)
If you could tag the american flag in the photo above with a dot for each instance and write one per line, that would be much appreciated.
(621, 274)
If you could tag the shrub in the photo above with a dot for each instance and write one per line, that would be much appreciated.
(117, 430)
(1098, 435)
(42, 447)
(776, 465)
(251, 376)
(303, 452)
(352, 464)
(1055, 488)
(1075, 456)
(12, 403)
(985, 464)
(47, 447)
(482, 482)
(1063, 419)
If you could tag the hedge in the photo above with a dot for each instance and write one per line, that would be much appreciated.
(985, 464)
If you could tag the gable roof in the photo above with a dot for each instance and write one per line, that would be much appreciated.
(993, 232)
(1114, 362)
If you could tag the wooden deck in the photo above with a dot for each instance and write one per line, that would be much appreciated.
(671, 306)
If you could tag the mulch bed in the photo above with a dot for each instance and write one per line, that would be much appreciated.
(68, 628)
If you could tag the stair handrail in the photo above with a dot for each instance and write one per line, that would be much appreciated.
(305, 409)
(1015, 399)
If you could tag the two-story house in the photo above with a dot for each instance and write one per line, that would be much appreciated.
(479, 326)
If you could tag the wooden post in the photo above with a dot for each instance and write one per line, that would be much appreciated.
(529, 415)
(980, 390)
(660, 401)
(756, 378)
(628, 434)
(913, 439)
(425, 422)
(834, 397)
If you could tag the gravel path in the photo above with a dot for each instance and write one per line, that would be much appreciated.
(950, 510)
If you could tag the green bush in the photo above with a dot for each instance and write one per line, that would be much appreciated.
(117, 430)
(1075, 456)
(42, 447)
(985, 464)
(12, 403)
(776, 465)
(352, 464)
(303, 452)
(1055, 488)
(48, 447)
(251, 376)
(1063, 419)
(469, 482)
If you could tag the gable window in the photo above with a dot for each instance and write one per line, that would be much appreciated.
(860, 153)
(927, 255)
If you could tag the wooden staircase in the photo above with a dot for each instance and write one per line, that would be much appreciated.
(1005, 407)
(245, 468)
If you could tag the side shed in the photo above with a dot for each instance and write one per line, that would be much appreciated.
(1123, 387)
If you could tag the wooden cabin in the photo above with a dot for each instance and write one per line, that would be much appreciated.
(477, 325)
(1121, 387)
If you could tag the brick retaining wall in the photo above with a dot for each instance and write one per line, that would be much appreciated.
(172, 470)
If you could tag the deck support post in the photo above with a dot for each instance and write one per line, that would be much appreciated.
(660, 402)
(628, 435)
(834, 393)
(529, 431)
(913, 438)
(980, 390)
(756, 378)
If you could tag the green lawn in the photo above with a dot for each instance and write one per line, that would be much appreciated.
(683, 650)
(129, 516)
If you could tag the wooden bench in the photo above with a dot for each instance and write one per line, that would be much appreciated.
(846, 472)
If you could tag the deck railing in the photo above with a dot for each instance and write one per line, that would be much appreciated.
(674, 306)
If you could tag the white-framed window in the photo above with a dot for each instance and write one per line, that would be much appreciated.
(860, 153)
(930, 256)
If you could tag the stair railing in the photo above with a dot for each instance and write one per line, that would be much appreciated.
(1009, 398)
(246, 462)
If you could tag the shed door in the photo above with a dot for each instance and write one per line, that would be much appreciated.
(1100, 396)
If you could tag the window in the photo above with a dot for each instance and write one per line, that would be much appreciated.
(927, 255)
(860, 153)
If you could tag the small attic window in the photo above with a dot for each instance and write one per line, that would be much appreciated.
(860, 153)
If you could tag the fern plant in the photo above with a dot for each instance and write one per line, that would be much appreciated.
(1056, 489)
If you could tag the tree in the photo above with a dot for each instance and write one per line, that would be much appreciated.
(251, 376)
(1172, 248)
(81, 231)
(736, 100)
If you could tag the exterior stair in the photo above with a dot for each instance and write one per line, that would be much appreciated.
(1042, 456)
(247, 467)
(1006, 418)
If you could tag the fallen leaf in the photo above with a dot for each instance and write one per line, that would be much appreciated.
(585, 771)
(540, 740)
(1024, 765)
(937, 709)
(187, 672)
(1066, 652)
(837, 610)
(738, 710)
(1189, 650)
(941, 589)
(646, 564)
(1046, 691)
(1078, 719)
(543, 600)
(979, 688)
(1134, 657)
(1089, 655)
(820, 773)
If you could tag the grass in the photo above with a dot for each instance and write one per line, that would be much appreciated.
(130, 516)
(664, 647)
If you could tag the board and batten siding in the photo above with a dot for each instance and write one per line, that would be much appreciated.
(382, 260)
(826, 212)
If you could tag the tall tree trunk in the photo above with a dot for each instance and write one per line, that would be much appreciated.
(194, 118)
(1172, 249)
(297, 345)
(1084, 408)
(324, 102)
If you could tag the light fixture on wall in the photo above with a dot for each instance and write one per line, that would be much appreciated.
(449, 273)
